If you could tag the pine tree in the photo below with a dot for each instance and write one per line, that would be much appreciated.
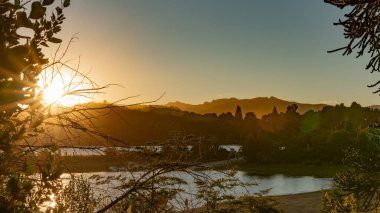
(238, 114)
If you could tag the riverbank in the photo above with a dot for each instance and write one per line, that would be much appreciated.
(301, 203)
(101, 163)
(84, 164)
(294, 169)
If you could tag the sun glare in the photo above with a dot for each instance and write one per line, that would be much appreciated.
(53, 92)
(61, 88)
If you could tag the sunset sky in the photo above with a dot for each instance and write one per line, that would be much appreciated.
(199, 50)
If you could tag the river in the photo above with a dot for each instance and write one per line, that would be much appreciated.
(278, 184)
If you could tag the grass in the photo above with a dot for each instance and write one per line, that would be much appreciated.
(322, 171)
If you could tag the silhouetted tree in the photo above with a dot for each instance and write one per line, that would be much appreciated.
(274, 111)
(250, 116)
(361, 26)
(292, 108)
(357, 188)
(21, 61)
(226, 116)
(238, 114)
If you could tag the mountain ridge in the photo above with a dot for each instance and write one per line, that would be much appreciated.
(259, 105)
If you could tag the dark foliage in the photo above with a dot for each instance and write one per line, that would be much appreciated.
(21, 61)
(361, 29)
(357, 188)
(314, 137)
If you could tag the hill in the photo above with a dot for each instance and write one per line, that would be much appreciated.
(260, 106)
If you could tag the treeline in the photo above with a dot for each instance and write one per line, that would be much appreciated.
(313, 137)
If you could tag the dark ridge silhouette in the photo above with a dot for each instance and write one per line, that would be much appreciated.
(260, 106)
(278, 137)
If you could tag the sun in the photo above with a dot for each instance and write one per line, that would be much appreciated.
(61, 88)
(53, 92)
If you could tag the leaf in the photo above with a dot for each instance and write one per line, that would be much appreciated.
(38, 11)
(59, 10)
(56, 29)
(27, 185)
(17, 2)
(28, 167)
(129, 210)
(12, 184)
(47, 2)
(22, 20)
(44, 44)
(49, 34)
(66, 3)
(55, 40)
(6, 6)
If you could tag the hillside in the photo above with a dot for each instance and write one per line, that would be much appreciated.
(335, 127)
(260, 106)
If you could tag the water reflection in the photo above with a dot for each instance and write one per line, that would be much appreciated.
(52, 202)
(279, 184)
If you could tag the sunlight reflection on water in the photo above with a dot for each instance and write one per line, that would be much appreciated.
(52, 204)
(279, 184)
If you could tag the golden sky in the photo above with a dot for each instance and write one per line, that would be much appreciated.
(201, 50)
